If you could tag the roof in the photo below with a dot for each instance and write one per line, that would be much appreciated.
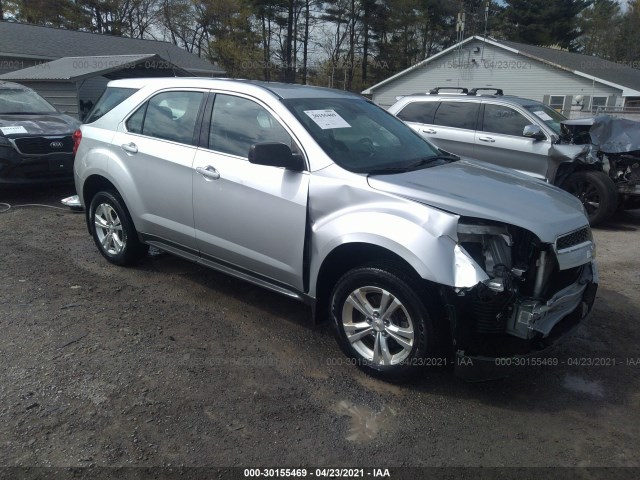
(276, 89)
(32, 41)
(291, 90)
(604, 71)
(78, 68)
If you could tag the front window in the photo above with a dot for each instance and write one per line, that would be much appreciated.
(547, 115)
(237, 123)
(503, 120)
(360, 136)
(23, 101)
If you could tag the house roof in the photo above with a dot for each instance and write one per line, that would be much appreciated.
(609, 73)
(32, 41)
(78, 68)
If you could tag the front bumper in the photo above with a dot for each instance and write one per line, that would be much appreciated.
(563, 312)
(18, 169)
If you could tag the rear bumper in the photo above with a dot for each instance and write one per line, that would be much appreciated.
(482, 367)
(18, 169)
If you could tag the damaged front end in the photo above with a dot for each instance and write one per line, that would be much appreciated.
(534, 292)
(612, 145)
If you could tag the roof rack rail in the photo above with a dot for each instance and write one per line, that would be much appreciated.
(436, 91)
(474, 91)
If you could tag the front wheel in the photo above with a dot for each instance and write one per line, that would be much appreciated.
(596, 191)
(381, 323)
(113, 230)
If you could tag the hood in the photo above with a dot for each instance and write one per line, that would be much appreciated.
(608, 134)
(477, 189)
(38, 124)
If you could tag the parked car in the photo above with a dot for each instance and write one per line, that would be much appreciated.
(323, 196)
(35, 139)
(527, 136)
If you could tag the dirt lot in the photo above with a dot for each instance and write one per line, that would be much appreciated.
(169, 363)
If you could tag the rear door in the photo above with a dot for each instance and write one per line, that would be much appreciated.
(248, 217)
(448, 124)
(454, 127)
(499, 140)
(156, 145)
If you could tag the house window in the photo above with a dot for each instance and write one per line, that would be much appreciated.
(557, 102)
(597, 103)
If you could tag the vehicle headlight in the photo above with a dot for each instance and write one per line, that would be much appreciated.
(4, 142)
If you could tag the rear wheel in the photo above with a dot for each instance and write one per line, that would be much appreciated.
(596, 191)
(113, 230)
(381, 323)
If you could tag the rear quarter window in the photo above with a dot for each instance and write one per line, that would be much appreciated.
(111, 98)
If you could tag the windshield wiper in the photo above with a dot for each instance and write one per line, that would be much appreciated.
(422, 163)
(440, 159)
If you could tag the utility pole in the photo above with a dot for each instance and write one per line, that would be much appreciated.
(486, 22)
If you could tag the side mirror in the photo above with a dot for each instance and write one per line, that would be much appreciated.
(533, 131)
(275, 154)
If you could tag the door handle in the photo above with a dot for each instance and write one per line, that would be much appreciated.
(130, 147)
(430, 131)
(486, 139)
(208, 172)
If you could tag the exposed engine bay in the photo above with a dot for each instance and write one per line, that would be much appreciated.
(613, 142)
(532, 287)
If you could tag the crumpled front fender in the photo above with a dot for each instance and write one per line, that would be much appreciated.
(425, 237)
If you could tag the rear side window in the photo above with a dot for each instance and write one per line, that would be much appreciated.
(419, 112)
(503, 120)
(457, 114)
(111, 98)
(168, 116)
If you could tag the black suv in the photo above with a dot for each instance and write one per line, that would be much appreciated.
(36, 141)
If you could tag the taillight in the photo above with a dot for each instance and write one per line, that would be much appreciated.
(77, 136)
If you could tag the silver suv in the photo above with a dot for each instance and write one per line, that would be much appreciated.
(416, 255)
(522, 134)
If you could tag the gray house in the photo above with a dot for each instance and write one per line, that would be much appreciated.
(71, 69)
(569, 82)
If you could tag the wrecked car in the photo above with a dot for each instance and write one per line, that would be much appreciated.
(35, 139)
(532, 138)
(418, 257)
(614, 143)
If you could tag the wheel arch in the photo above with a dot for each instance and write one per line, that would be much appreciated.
(345, 257)
(92, 185)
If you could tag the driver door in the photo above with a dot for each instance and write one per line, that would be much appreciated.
(248, 217)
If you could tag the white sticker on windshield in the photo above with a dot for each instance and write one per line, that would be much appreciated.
(543, 116)
(327, 119)
(12, 130)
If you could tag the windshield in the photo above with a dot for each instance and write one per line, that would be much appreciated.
(360, 136)
(23, 101)
(549, 116)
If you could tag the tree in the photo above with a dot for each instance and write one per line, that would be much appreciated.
(596, 25)
(544, 22)
(628, 35)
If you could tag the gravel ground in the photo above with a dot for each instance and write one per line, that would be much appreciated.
(169, 363)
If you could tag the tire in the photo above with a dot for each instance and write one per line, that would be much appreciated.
(113, 230)
(596, 191)
(407, 332)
